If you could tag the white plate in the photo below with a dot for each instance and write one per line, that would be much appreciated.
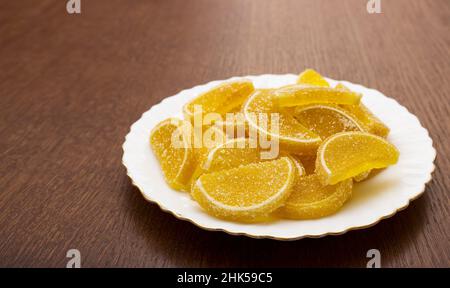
(375, 199)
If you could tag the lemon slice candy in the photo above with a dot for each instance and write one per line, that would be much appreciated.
(361, 177)
(233, 153)
(248, 192)
(220, 99)
(312, 77)
(348, 154)
(365, 116)
(292, 136)
(234, 125)
(327, 119)
(311, 199)
(297, 95)
(211, 135)
(360, 111)
(177, 160)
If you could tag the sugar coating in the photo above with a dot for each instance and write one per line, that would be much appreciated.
(308, 94)
(348, 154)
(176, 164)
(247, 192)
(292, 135)
(312, 77)
(220, 99)
(327, 119)
(311, 199)
(327, 138)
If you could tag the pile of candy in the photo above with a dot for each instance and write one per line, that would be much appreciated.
(325, 140)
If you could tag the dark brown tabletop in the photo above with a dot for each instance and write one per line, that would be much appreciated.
(71, 86)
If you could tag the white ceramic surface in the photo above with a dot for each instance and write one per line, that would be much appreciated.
(377, 198)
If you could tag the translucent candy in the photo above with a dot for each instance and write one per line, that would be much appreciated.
(292, 136)
(367, 118)
(210, 137)
(311, 77)
(246, 193)
(234, 125)
(227, 175)
(309, 165)
(177, 162)
(348, 154)
(361, 112)
(220, 99)
(361, 177)
(307, 94)
(232, 153)
(311, 199)
(326, 119)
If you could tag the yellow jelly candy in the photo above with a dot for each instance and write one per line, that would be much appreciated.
(234, 125)
(291, 135)
(170, 142)
(248, 192)
(324, 138)
(205, 139)
(326, 119)
(309, 165)
(312, 77)
(367, 118)
(232, 153)
(307, 94)
(347, 154)
(363, 176)
(329, 119)
(220, 99)
(311, 199)
(326, 122)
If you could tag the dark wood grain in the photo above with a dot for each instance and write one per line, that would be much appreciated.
(71, 85)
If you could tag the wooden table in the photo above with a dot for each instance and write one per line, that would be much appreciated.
(71, 85)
